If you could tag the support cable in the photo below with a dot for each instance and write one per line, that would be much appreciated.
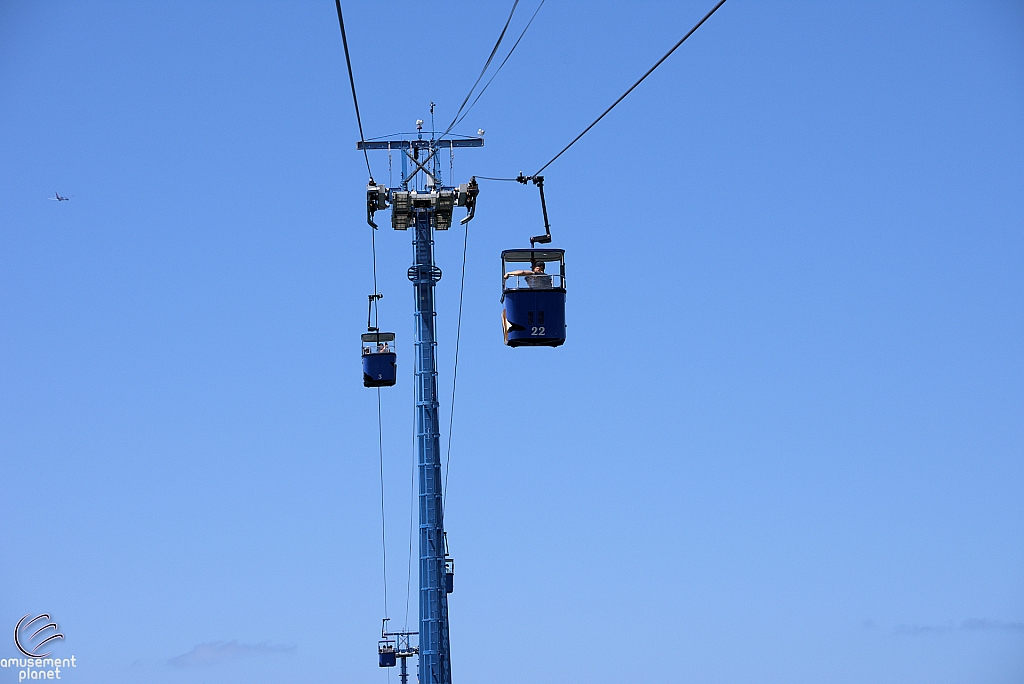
(486, 85)
(383, 538)
(623, 96)
(455, 374)
(380, 432)
(494, 51)
(352, 82)
(412, 510)
(487, 64)
(373, 249)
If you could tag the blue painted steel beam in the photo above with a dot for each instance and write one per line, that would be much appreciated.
(435, 658)
(418, 144)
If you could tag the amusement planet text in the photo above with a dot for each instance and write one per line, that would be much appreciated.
(32, 668)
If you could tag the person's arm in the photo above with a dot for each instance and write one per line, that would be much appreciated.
(519, 273)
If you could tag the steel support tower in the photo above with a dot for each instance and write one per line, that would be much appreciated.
(425, 211)
(435, 651)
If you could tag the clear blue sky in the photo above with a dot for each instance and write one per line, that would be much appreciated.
(783, 442)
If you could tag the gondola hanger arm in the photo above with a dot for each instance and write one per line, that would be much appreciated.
(539, 182)
(369, 311)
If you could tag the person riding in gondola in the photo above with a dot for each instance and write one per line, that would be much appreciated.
(382, 348)
(379, 359)
(536, 278)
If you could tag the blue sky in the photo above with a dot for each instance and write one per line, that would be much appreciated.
(783, 442)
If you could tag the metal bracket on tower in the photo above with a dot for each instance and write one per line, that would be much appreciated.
(467, 198)
(424, 274)
(376, 198)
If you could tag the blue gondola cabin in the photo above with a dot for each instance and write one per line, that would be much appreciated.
(533, 294)
(386, 651)
(380, 367)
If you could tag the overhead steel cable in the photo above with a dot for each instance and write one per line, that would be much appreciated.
(373, 248)
(455, 373)
(483, 71)
(352, 82)
(380, 427)
(631, 88)
(412, 511)
(383, 537)
(380, 435)
(490, 57)
(496, 71)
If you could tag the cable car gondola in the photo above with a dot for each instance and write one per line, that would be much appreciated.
(449, 575)
(534, 297)
(380, 367)
(386, 653)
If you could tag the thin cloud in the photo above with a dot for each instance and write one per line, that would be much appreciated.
(221, 652)
(976, 624)
(968, 625)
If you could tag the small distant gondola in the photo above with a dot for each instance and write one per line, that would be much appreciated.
(386, 651)
(534, 297)
(380, 367)
(449, 575)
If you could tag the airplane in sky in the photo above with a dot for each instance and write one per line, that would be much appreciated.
(57, 198)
